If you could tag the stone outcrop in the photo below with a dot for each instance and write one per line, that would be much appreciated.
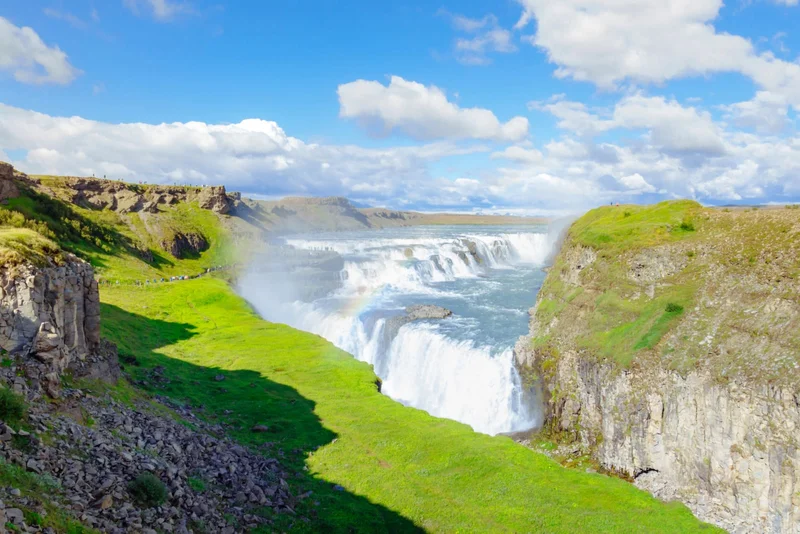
(418, 312)
(729, 452)
(186, 245)
(716, 437)
(94, 193)
(214, 199)
(427, 311)
(8, 189)
(50, 313)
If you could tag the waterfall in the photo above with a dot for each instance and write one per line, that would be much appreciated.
(431, 365)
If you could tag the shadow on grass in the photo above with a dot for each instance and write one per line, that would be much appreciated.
(238, 402)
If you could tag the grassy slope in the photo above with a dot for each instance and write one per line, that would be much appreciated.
(711, 252)
(111, 241)
(327, 419)
(436, 472)
(19, 245)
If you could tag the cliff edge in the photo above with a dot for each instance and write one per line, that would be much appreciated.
(666, 340)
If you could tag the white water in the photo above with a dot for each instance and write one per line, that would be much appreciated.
(460, 367)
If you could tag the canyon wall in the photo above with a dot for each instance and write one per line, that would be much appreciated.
(675, 364)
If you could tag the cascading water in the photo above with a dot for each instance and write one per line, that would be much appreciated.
(460, 367)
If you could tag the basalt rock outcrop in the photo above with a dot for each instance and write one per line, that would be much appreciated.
(710, 414)
(8, 187)
(417, 312)
(51, 317)
(184, 245)
(95, 193)
(50, 314)
(214, 199)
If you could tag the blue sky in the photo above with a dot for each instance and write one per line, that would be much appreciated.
(525, 106)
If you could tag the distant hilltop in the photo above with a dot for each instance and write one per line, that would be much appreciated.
(287, 215)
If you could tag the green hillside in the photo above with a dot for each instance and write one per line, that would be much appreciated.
(363, 462)
(654, 281)
(327, 416)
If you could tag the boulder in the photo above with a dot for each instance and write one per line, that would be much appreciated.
(48, 347)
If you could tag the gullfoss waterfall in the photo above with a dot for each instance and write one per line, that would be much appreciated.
(353, 288)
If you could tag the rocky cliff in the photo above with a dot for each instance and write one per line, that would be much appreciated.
(122, 197)
(667, 341)
(50, 313)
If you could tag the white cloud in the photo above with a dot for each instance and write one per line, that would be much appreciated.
(421, 112)
(765, 112)
(254, 155)
(680, 152)
(669, 125)
(636, 182)
(472, 51)
(161, 10)
(573, 116)
(649, 41)
(466, 24)
(519, 154)
(30, 60)
(487, 36)
(672, 126)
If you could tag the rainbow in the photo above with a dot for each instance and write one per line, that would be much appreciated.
(355, 305)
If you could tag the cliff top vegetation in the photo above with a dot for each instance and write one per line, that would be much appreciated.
(681, 287)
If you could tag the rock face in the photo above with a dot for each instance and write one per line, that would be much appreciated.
(8, 189)
(417, 312)
(215, 199)
(51, 313)
(99, 194)
(183, 245)
(727, 447)
(728, 452)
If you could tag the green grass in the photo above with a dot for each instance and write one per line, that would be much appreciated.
(19, 245)
(34, 225)
(691, 257)
(12, 406)
(608, 316)
(622, 228)
(619, 328)
(400, 468)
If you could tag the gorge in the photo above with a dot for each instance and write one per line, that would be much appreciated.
(460, 367)
(662, 344)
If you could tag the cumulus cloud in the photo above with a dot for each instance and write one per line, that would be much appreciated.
(636, 183)
(30, 60)
(668, 125)
(751, 166)
(649, 41)
(765, 112)
(254, 156)
(421, 112)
